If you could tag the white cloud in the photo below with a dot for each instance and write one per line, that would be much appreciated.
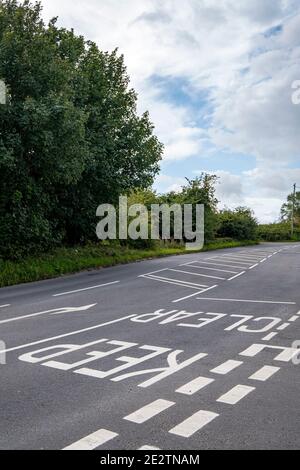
(226, 49)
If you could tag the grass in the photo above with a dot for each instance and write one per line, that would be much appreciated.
(71, 260)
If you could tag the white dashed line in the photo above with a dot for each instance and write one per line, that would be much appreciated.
(226, 367)
(294, 318)
(149, 411)
(264, 373)
(194, 423)
(283, 326)
(87, 288)
(195, 385)
(149, 448)
(248, 301)
(3, 306)
(237, 275)
(254, 266)
(270, 336)
(93, 441)
(236, 394)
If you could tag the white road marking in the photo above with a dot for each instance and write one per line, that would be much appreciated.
(198, 274)
(53, 338)
(195, 385)
(193, 295)
(86, 288)
(263, 260)
(238, 259)
(194, 423)
(209, 269)
(294, 318)
(149, 411)
(55, 311)
(178, 281)
(153, 278)
(149, 448)
(3, 306)
(249, 301)
(237, 275)
(93, 441)
(270, 336)
(236, 394)
(283, 326)
(226, 367)
(220, 264)
(264, 373)
(254, 266)
(286, 354)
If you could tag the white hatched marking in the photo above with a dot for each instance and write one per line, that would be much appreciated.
(283, 326)
(195, 385)
(93, 441)
(87, 288)
(194, 423)
(149, 411)
(209, 269)
(193, 295)
(294, 318)
(236, 394)
(238, 275)
(197, 274)
(264, 373)
(270, 336)
(226, 367)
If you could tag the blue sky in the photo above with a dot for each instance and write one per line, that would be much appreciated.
(216, 77)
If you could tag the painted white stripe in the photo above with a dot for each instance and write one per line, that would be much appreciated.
(263, 260)
(283, 326)
(249, 301)
(53, 338)
(270, 336)
(238, 259)
(194, 423)
(3, 306)
(184, 283)
(220, 264)
(149, 448)
(236, 394)
(254, 266)
(193, 295)
(210, 269)
(294, 318)
(86, 288)
(264, 373)
(149, 411)
(195, 385)
(237, 275)
(226, 367)
(93, 441)
(240, 264)
(152, 278)
(198, 274)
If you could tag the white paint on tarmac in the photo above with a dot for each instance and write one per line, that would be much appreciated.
(149, 448)
(283, 326)
(264, 373)
(270, 336)
(6, 305)
(87, 288)
(294, 318)
(194, 423)
(236, 394)
(226, 367)
(149, 411)
(248, 301)
(237, 275)
(195, 385)
(93, 441)
(193, 295)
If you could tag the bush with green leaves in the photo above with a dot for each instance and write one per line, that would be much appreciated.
(239, 224)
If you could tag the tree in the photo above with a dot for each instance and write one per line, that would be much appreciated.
(239, 224)
(70, 136)
(287, 209)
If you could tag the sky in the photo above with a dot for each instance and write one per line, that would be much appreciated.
(216, 77)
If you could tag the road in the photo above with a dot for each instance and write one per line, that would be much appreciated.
(189, 352)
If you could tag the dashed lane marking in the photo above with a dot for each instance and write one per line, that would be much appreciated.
(149, 448)
(87, 288)
(237, 275)
(195, 385)
(3, 306)
(283, 326)
(264, 373)
(149, 411)
(270, 336)
(194, 423)
(294, 318)
(226, 367)
(93, 441)
(236, 394)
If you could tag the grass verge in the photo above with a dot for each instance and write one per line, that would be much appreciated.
(71, 260)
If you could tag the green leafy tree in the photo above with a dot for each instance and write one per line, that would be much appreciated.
(239, 224)
(70, 135)
(287, 209)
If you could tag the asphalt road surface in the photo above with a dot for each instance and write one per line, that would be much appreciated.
(190, 352)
